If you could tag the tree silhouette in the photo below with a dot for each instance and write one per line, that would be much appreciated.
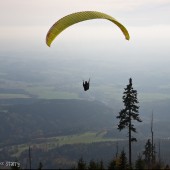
(129, 113)
(112, 165)
(139, 163)
(123, 161)
(40, 166)
(92, 165)
(120, 162)
(148, 153)
(81, 164)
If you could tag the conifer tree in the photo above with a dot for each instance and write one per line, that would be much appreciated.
(139, 163)
(129, 113)
(123, 161)
(101, 165)
(92, 165)
(112, 165)
(149, 150)
(40, 166)
(81, 165)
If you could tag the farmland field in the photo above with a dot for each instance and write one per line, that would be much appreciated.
(53, 142)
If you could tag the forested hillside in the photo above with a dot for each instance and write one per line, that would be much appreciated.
(46, 118)
(65, 130)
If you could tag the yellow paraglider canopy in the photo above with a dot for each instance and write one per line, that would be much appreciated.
(74, 18)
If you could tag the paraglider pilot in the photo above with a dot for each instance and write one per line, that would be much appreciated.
(86, 85)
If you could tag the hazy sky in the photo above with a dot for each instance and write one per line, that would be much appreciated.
(25, 23)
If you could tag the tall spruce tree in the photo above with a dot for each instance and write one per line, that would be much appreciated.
(129, 113)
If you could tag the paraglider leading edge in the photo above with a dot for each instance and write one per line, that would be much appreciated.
(77, 17)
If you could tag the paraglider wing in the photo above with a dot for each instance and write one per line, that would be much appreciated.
(74, 18)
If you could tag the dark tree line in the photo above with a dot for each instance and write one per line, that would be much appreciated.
(120, 162)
